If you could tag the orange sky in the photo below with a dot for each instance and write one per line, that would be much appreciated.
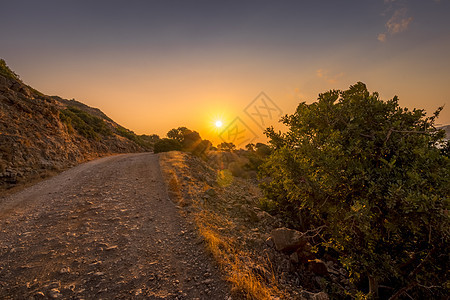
(152, 67)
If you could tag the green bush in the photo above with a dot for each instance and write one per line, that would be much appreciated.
(165, 145)
(256, 155)
(369, 171)
(7, 72)
(145, 141)
(85, 124)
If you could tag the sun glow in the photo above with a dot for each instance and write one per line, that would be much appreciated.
(215, 124)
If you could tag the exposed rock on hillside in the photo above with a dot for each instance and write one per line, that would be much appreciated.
(39, 133)
(288, 240)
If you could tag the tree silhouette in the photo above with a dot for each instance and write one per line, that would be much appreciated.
(226, 146)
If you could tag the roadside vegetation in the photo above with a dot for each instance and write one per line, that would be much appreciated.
(376, 178)
(143, 140)
(87, 125)
(184, 139)
(364, 181)
(7, 72)
(223, 212)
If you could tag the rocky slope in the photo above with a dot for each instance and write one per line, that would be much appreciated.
(41, 134)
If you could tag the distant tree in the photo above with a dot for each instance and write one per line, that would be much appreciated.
(190, 140)
(153, 137)
(165, 145)
(202, 148)
(370, 173)
(263, 150)
(250, 147)
(177, 134)
(226, 146)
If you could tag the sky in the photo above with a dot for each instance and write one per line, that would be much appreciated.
(156, 65)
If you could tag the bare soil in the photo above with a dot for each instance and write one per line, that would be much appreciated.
(102, 230)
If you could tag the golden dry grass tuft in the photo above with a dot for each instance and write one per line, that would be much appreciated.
(174, 188)
(230, 257)
(171, 178)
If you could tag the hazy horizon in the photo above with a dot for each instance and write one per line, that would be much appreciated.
(152, 66)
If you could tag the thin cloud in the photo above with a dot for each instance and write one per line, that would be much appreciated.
(399, 22)
(382, 37)
(330, 78)
(296, 94)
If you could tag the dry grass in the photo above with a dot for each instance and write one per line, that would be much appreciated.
(174, 188)
(222, 235)
(230, 257)
(171, 178)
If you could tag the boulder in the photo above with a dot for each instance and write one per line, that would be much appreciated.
(288, 240)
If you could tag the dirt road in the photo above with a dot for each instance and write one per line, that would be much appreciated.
(103, 230)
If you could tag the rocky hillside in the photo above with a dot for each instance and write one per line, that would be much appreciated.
(41, 134)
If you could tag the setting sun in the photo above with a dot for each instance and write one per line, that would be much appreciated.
(219, 124)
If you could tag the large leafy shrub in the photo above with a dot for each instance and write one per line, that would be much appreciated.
(371, 173)
(165, 145)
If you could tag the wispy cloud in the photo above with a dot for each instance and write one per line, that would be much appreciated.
(296, 94)
(398, 22)
(382, 37)
(328, 77)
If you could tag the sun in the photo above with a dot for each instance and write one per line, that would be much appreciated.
(218, 123)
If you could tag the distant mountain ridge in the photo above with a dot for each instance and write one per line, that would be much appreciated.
(446, 128)
(40, 133)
